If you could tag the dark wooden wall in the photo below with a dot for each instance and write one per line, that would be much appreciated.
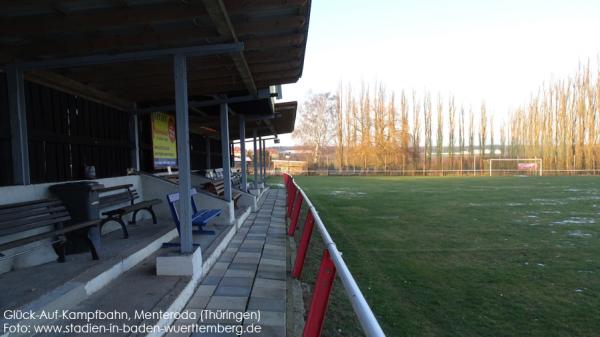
(145, 143)
(66, 133)
(5, 150)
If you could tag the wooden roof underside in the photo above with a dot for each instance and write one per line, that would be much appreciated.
(273, 32)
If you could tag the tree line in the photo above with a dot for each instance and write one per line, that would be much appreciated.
(374, 128)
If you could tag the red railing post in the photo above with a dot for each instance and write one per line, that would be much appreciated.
(295, 214)
(303, 247)
(291, 196)
(320, 298)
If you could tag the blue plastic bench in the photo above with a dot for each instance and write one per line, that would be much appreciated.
(199, 217)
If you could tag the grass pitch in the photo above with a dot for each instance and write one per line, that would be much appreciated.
(454, 256)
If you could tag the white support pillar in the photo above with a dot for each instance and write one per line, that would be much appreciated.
(136, 143)
(244, 178)
(264, 166)
(260, 162)
(255, 159)
(18, 126)
(225, 150)
(226, 157)
(183, 153)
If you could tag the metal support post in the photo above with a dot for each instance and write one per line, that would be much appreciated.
(183, 152)
(244, 178)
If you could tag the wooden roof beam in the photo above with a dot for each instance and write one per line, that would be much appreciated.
(64, 84)
(218, 14)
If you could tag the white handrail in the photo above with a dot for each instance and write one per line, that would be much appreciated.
(364, 313)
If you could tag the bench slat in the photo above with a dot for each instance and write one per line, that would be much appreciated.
(9, 208)
(115, 199)
(37, 237)
(33, 220)
(33, 225)
(132, 208)
(26, 213)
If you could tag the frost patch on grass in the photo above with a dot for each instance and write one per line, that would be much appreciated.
(575, 220)
(548, 202)
(591, 197)
(347, 194)
(579, 234)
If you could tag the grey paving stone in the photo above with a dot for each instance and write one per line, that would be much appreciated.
(272, 275)
(232, 291)
(243, 266)
(248, 254)
(268, 304)
(267, 292)
(268, 283)
(251, 249)
(220, 265)
(237, 281)
(246, 259)
(272, 262)
(205, 290)
(211, 280)
(198, 302)
(240, 273)
(227, 302)
(217, 273)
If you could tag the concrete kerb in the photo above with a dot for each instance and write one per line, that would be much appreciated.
(78, 289)
(295, 304)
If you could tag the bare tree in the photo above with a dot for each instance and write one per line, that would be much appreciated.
(427, 120)
(439, 151)
(451, 129)
(339, 127)
(482, 133)
(416, 128)
(461, 137)
(314, 128)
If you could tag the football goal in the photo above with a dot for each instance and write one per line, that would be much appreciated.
(516, 166)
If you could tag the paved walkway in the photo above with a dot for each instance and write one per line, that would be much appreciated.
(250, 276)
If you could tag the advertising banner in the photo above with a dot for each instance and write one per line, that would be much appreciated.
(527, 166)
(164, 145)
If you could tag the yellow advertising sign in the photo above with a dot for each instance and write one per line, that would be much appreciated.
(164, 146)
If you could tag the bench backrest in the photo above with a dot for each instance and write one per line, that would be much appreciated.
(217, 187)
(209, 174)
(174, 197)
(128, 194)
(24, 216)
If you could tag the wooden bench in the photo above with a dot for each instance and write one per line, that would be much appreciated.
(127, 195)
(218, 187)
(199, 217)
(26, 216)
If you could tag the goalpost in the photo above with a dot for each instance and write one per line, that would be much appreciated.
(521, 165)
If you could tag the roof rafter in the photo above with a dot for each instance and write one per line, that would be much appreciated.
(218, 14)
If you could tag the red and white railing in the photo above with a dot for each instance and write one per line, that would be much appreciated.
(332, 264)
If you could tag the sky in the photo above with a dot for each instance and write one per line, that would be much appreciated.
(499, 52)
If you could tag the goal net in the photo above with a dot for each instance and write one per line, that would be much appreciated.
(515, 166)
